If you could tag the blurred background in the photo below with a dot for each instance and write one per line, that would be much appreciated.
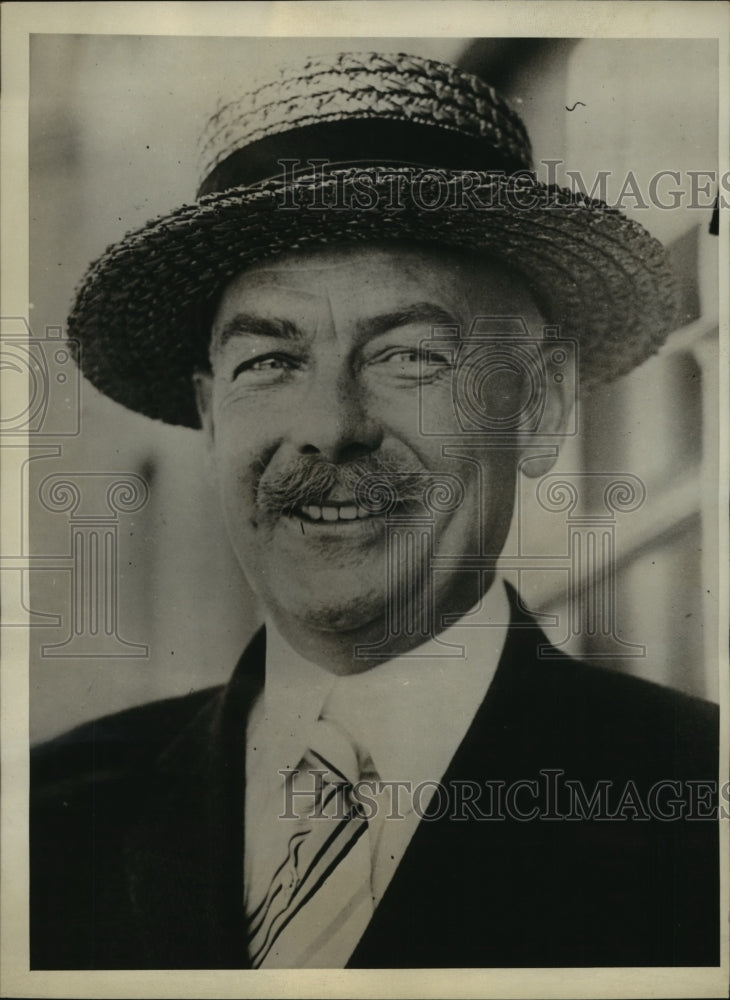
(114, 122)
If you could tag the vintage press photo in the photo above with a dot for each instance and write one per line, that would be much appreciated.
(367, 537)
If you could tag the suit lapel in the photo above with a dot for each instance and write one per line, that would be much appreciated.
(184, 857)
(403, 931)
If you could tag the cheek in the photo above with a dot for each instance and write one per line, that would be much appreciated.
(248, 428)
(242, 428)
(235, 464)
(423, 417)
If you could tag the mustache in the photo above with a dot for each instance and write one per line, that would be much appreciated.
(377, 484)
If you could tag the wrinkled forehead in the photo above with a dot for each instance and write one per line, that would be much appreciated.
(372, 277)
(388, 264)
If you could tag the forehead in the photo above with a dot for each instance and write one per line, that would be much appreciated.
(366, 279)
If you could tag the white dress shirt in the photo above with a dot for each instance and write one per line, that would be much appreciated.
(408, 715)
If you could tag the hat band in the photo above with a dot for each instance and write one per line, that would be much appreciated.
(366, 141)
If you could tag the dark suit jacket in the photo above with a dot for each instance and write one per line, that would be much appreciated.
(137, 833)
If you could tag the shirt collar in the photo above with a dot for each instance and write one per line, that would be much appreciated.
(409, 713)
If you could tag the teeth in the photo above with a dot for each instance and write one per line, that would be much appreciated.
(328, 512)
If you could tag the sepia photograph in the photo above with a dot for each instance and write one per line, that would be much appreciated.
(365, 458)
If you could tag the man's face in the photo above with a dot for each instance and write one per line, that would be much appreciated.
(319, 375)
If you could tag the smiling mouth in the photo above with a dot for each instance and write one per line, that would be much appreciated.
(332, 512)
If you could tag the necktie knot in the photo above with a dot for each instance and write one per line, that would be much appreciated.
(332, 750)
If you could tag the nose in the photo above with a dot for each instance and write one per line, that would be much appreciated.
(334, 421)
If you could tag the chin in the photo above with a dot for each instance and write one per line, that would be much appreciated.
(338, 611)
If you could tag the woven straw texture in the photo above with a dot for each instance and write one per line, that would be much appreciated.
(360, 86)
(599, 275)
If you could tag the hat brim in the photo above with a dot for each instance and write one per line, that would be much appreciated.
(601, 276)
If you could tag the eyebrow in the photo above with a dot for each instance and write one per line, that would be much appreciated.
(419, 312)
(249, 324)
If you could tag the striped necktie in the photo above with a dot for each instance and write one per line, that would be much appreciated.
(311, 911)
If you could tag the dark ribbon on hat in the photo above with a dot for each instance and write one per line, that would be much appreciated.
(366, 141)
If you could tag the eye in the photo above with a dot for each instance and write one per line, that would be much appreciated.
(265, 367)
(413, 364)
(405, 357)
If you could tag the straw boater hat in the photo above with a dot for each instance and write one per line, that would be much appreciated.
(416, 151)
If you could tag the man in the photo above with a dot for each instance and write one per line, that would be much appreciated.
(381, 783)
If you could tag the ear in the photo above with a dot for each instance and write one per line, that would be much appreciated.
(203, 384)
(560, 387)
